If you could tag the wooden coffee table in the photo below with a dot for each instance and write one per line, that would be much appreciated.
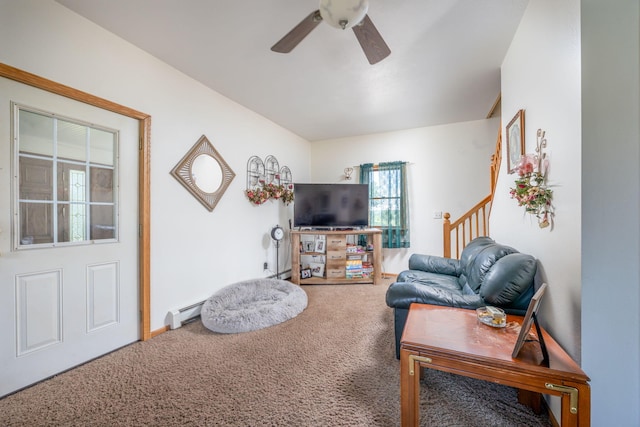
(452, 340)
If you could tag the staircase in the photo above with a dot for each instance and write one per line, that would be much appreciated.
(475, 222)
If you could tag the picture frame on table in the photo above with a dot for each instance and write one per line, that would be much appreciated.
(305, 273)
(317, 269)
(529, 319)
(319, 246)
(309, 246)
(515, 141)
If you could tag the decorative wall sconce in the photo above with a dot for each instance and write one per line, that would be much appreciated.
(255, 172)
(286, 178)
(272, 170)
(347, 173)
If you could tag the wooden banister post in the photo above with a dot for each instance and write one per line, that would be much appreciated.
(446, 235)
(493, 175)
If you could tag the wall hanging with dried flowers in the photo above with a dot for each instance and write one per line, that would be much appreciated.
(531, 188)
(260, 194)
(266, 181)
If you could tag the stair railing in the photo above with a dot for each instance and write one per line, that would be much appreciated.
(475, 222)
(472, 224)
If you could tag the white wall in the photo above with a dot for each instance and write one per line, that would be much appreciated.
(541, 74)
(448, 172)
(194, 252)
(611, 209)
(574, 66)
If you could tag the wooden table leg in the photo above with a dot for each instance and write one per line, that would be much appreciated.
(409, 392)
(531, 399)
(584, 410)
(566, 417)
(576, 403)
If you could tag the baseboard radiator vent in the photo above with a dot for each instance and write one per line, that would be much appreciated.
(183, 315)
(284, 275)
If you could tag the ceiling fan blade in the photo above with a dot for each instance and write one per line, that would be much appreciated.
(298, 33)
(371, 41)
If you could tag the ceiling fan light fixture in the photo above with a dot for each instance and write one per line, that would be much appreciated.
(340, 14)
(343, 13)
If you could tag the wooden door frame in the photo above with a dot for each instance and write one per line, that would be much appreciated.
(144, 175)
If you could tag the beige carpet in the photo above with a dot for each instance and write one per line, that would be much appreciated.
(333, 365)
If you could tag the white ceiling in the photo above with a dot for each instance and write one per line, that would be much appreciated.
(444, 65)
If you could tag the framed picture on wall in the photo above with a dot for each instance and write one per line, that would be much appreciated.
(515, 141)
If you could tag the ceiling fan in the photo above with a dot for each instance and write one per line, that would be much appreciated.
(340, 14)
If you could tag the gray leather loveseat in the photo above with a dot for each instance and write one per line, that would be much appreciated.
(487, 273)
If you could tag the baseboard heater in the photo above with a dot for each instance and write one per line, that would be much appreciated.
(284, 275)
(177, 317)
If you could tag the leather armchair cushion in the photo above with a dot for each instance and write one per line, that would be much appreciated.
(426, 278)
(468, 257)
(403, 294)
(435, 264)
(418, 286)
(509, 283)
(486, 260)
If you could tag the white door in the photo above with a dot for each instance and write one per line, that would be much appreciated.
(68, 234)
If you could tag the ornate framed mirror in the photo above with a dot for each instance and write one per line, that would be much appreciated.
(204, 173)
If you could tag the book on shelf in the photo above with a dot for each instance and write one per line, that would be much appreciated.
(354, 269)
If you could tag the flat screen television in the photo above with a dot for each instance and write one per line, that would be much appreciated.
(331, 205)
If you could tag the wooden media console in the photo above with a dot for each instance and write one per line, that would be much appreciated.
(336, 253)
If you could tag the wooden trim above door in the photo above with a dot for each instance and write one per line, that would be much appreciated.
(144, 174)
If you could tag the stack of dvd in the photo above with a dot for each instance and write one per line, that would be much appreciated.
(354, 269)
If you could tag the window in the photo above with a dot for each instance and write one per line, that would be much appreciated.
(388, 202)
(65, 180)
(78, 214)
